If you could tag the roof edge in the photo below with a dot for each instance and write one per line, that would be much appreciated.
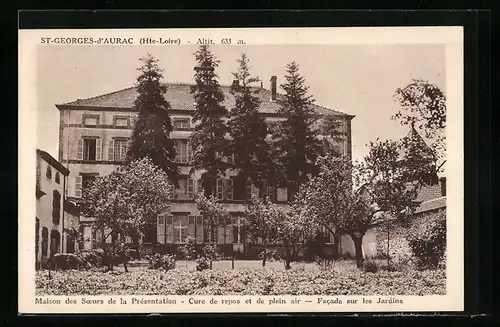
(51, 160)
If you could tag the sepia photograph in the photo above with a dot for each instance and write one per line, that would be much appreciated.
(198, 167)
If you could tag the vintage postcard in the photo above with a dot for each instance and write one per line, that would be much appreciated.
(241, 170)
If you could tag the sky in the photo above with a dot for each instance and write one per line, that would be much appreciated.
(356, 79)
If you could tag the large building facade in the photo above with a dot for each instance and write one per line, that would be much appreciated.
(93, 139)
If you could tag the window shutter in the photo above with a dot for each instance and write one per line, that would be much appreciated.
(220, 234)
(79, 150)
(220, 189)
(111, 150)
(169, 229)
(177, 151)
(98, 149)
(199, 229)
(191, 226)
(190, 189)
(171, 190)
(199, 186)
(160, 229)
(189, 151)
(249, 187)
(78, 186)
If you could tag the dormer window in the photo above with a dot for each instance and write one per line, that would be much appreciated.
(181, 123)
(90, 120)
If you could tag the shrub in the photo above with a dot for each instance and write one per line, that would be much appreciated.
(210, 252)
(65, 261)
(272, 255)
(202, 263)
(161, 261)
(325, 263)
(93, 258)
(428, 241)
(369, 266)
(189, 248)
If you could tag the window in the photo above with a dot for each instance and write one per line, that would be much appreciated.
(180, 229)
(181, 190)
(56, 207)
(90, 120)
(89, 149)
(48, 173)
(58, 178)
(83, 182)
(228, 189)
(181, 123)
(269, 190)
(183, 151)
(120, 150)
(121, 121)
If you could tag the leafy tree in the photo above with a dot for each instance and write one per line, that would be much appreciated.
(384, 194)
(151, 135)
(271, 224)
(124, 202)
(296, 144)
(423, 105)
(209, 142)
(247, 127)
(259, 223)
(212, 214)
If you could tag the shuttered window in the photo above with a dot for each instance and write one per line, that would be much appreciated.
(190, 189)
(160, 229)
(78, 186)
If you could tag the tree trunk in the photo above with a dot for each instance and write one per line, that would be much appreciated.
(288, 258)
(336, 240)
(264, 255)
(358, 248)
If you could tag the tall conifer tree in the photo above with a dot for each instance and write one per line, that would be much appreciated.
(151, 135)
(248, 128)
(209, 139)
(296, 144)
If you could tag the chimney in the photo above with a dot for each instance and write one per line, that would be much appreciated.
(442, 182)
(236, 82)
(273, 88)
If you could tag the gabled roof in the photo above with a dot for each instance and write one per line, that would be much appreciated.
(415, 137)
(53, 162)
(180, 98)
(427, 193)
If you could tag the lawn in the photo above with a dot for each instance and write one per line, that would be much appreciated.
(248, 278)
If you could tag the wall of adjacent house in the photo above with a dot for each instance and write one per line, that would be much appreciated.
(44, 206)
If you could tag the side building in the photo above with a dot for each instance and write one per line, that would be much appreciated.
(57, 219)
(93, 140)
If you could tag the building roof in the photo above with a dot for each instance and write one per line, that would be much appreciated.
(427, 193)
(53, 162)
(433, 204)
(180, 98)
